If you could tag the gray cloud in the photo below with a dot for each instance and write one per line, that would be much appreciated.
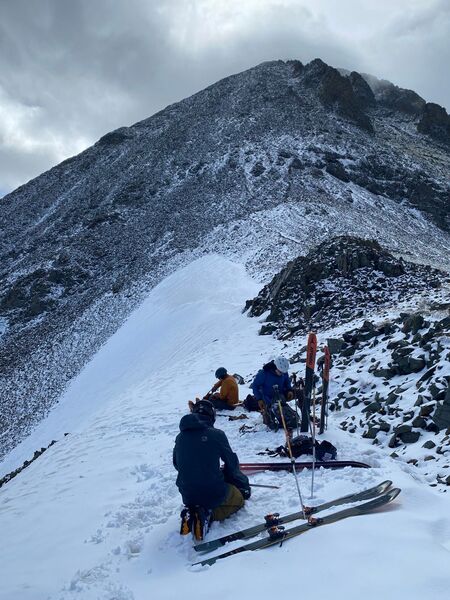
(71, 70)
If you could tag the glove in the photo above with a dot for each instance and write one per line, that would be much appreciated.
(246, 492)
(290, 395)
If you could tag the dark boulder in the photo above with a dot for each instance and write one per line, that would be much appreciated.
(435, 122)
(441, 415)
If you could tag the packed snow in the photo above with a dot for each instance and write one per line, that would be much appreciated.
(97, 515)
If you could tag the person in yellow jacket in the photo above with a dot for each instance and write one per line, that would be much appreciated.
(228, 395)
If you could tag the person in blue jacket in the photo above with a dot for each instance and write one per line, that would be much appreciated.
(273, 373)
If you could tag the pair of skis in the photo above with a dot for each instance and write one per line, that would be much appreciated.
(311, 350)
(377, 496)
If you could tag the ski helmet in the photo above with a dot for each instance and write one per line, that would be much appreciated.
(221, 372)
(206, 408)
(282, 364)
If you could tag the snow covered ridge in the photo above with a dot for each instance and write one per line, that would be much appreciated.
(392, 387)
(97, 514)
(258, 167)
(340, 280)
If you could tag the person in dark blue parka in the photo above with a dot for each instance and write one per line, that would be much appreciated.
(273, 373)
(198, 452)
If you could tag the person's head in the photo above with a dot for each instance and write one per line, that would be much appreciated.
(221, 373)
(205, 408)
(281, 364)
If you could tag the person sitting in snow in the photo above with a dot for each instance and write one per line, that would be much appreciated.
(228, 396)
(208, 491)
(273, 373)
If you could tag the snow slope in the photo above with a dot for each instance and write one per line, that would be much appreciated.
(96, 516)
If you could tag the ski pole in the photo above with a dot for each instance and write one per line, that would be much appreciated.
(314, 441)
(297, 420)
(288, 444)
(272, 487)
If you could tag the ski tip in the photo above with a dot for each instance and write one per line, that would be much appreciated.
(207, 547)
(393, 493)
(204, 563)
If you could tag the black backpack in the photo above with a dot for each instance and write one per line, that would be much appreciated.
(303, 444)
(325, 451)
(251, 403)
(290, 417)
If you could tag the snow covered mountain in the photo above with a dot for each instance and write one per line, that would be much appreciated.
(97, 514)
(259, 167)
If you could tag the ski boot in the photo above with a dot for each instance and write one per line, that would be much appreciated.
(186, 521)
(201, 520)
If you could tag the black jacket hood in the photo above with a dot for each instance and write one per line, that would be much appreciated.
(270, 366)
(195, 421)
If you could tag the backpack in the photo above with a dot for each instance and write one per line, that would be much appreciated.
(251, 403)
(290, 416)
(303, 444)
(325, 451)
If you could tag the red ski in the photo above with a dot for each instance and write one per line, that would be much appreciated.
(249, 468)
(325, 386)
(311, 349)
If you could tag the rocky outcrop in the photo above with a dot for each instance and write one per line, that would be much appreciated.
(392, 97)
(346, 95)
(337, 282)
(362, 91)
(400, 397)
(435, 121)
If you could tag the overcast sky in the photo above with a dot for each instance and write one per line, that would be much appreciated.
(72, 70)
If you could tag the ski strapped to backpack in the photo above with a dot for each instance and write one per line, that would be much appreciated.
(311, 349)
(275, 519)
(277, 534)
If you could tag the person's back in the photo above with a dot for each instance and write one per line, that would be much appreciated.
(197, 453)
(228, 396)
(203, 485)
(229, 391)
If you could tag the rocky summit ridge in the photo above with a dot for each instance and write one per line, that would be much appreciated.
(340, 280)
(260, 167)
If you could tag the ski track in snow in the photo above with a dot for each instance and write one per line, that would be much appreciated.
(96, 516)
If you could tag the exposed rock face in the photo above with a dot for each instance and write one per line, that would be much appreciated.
(362, 91)
(442, 415)
(337, 91)
(393, 406)
(337, 282)
(435, 121)
(283, 148)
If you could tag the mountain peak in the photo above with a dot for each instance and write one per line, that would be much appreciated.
(278, 157)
